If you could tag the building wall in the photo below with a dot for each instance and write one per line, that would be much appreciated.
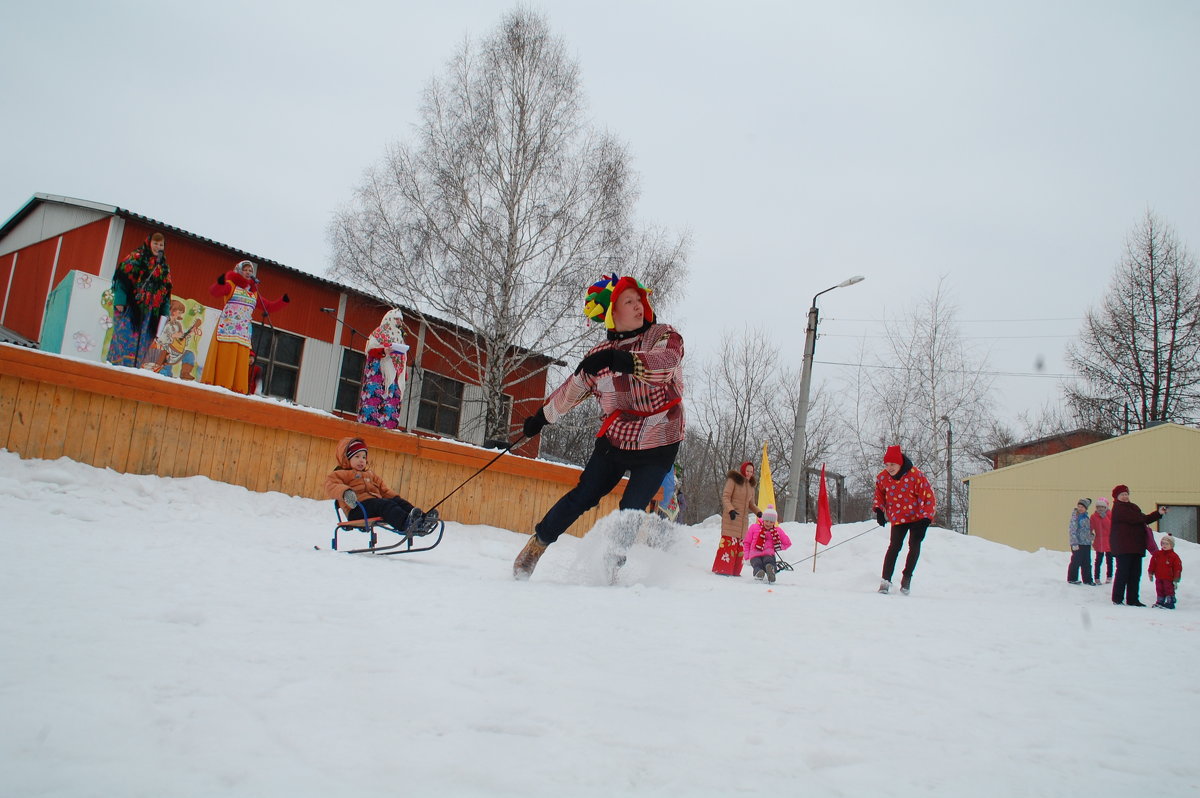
(1028, 505)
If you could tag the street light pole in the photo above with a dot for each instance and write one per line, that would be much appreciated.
(949, 472)
(797, 509)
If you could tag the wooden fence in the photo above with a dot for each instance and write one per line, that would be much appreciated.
(138, 422)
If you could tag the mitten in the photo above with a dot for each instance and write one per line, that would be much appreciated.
(758, 514)
(1074, 548)
(286, 298)
(221, 279)
(733, 515)
(596, 362)
(533, 425)
(880, 518)
(375, 352)
(350, 498)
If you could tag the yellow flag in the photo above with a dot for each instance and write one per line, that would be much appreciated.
(766, 488)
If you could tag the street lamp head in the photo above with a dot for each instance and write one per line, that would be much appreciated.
(858, 278)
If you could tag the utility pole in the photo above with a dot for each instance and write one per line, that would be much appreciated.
(798, 507)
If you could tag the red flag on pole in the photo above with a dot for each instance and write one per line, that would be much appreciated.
(824, 522)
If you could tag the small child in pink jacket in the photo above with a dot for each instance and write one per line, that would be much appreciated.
(763, 539)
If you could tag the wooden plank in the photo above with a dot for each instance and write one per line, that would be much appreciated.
(200, 457)
(247, 453)
(170, 449)
(224, 448)
(91, 428)
(57, 419)
(9, 386)
(320, 463)
(146, 439)
(78, 416)
(23, 418)
(187, 423)
(39, 425)
(295, 466)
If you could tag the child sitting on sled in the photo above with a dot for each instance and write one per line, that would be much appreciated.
(763, 539)
(362, 493)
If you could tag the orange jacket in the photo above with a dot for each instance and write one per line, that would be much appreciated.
(366, 484)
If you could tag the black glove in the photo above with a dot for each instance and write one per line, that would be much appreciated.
(533, 425)
(286, 299)
(733, 515)
(221, 279)
(880, 517)
(758, 514)
(611, 359)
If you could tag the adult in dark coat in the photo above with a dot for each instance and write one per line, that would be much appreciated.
(1128, 541)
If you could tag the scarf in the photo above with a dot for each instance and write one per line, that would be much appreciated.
(147, 281)
(758, 546)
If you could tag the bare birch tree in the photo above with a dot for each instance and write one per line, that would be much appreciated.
(924, 379)
(503, 211)
(742, 398)
(1138, 355)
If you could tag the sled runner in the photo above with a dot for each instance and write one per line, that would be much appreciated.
(419, 525)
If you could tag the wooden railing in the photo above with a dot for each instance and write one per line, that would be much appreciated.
(137, 422)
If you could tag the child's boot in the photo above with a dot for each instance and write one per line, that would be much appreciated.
(771, 572)
(905, 583)
(527, 560)
(884, 586)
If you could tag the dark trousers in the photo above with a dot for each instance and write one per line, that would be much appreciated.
(915, 531)
(604, 470)
(1081, 561)
(1101, 556)
(394, 511)
(759, 561)
(1128, 579)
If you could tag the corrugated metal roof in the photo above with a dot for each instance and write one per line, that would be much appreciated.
(7, 336)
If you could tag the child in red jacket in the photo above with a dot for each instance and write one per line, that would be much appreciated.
(1165, 569)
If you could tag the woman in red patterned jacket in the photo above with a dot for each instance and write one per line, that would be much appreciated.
(904, 497)
(636, 375)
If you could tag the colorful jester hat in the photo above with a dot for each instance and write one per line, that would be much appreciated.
(602, 292)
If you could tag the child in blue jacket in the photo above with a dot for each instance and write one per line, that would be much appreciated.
(1080, 532)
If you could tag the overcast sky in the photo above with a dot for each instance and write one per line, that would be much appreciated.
(1006, 147)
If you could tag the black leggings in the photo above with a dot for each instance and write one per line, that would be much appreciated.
(604, 470)
(916, 534)
(394, 511)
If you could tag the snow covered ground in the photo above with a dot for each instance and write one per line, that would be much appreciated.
(182, 637)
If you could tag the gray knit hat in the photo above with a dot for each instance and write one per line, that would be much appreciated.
(1086, 503)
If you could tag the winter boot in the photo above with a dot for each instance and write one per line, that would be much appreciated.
(771, 572)
(420, 524)
(527, 560)
(1169, 603)
(905, 584)
(613, 563)
(760, 574)
(884, 586)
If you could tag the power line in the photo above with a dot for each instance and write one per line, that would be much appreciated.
(954, 371)
(958, 321)
(964, 337)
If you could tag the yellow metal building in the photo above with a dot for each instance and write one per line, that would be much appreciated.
(1027, 505)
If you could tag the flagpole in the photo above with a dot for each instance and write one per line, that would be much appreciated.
(814, 556)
